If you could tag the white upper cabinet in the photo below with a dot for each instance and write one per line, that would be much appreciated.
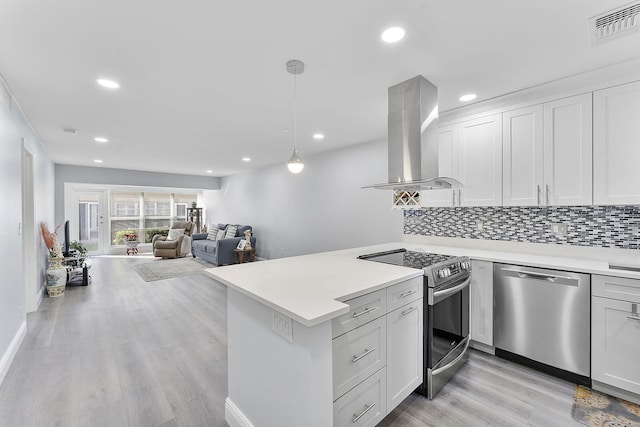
(568, 174)
(470, 152)
(479, 161)
(616, 145)
(522, 156)
(547, 154)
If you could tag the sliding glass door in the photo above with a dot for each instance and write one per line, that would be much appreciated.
(87, 222)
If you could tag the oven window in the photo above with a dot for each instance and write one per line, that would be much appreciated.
(450, 324)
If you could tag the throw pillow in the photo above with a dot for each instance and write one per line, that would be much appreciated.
(175, 233)
(213, 233)
(220, 235)
(231, 231)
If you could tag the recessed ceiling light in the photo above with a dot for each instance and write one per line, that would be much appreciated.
(393, 34)
(97, 161)
(246, 159)
(100, 139)
(468, 97)
(318, 136)
(209, 171)
(110, 84)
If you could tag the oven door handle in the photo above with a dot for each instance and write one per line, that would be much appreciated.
(452, 290)
(454, 361)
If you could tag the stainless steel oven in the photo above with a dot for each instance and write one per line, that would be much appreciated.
(446, 317)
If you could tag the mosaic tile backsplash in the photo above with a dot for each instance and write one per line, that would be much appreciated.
(603, 226)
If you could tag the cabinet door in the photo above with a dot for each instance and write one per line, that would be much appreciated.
(447, 138)
(404, 352)
(615, 343)
(568, 156)
(522, 156)
(616, 132)
(479, 152)
(481, 302)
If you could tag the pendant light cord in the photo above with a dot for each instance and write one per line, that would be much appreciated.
(295, 109)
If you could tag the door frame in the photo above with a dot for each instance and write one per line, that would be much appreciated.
(33, 290)
(71, 198)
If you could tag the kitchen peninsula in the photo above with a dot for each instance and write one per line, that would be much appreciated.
(281, 315)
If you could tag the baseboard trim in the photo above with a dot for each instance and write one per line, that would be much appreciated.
(234, 416)
(482, 347)
(616, 391)
(10, 354)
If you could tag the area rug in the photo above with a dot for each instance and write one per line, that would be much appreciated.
(593, 408)
(160, 269)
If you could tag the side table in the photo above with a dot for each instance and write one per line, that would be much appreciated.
(239, 254)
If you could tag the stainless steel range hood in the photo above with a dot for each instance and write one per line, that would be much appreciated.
(413, 138)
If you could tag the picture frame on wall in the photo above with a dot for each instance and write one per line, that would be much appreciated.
(241, 244)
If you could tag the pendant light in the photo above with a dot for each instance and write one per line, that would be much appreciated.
(295, 163)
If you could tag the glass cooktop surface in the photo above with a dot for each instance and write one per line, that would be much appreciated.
(407, 258)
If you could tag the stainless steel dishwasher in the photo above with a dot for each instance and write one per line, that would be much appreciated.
(542, 319)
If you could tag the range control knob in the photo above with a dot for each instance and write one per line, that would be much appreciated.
(445, 272)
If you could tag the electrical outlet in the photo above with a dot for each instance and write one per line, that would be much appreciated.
(480, 225)
(282, 325)
(635, 230)
(559, 229)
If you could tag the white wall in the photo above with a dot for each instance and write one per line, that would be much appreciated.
(13, 129)
(323, 208)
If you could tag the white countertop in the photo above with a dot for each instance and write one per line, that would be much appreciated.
(309, 288)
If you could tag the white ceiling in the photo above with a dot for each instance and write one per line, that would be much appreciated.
(204, 83)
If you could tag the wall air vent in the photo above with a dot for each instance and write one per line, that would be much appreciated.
(610, 25)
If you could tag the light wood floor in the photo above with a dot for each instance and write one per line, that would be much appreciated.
(123, 352)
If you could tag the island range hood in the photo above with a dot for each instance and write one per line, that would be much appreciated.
(413, 138)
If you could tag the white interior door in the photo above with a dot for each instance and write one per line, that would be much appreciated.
(87, 222)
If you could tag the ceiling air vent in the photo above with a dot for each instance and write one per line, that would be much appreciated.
(615, 23)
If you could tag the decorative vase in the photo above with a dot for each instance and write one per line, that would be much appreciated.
(56, 277)
(194, 204)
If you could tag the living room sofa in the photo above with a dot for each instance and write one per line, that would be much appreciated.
(219, 252)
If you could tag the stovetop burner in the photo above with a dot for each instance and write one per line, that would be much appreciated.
(407, 258)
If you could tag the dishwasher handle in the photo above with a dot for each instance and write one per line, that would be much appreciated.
(535, 275)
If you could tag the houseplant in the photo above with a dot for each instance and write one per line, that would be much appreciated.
(56, 273)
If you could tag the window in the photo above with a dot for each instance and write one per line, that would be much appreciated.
(145, 213)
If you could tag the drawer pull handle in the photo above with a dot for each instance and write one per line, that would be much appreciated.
(409, 310)
(363, 312)
(366, 351)
(366, 409)
(406, 294)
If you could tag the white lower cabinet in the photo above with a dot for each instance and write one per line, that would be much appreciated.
(615, 333)
(481, 302)
(404, 352)
(376, 365)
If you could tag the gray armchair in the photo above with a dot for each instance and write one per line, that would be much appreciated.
(173, 248)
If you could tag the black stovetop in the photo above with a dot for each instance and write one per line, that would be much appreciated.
(407, 258)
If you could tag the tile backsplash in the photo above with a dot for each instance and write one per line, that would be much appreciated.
(603, 226)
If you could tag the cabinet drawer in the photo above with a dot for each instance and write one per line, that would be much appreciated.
(405, 292)
(365, 405)
(358, 354)
(363, 309)
(616, 288)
